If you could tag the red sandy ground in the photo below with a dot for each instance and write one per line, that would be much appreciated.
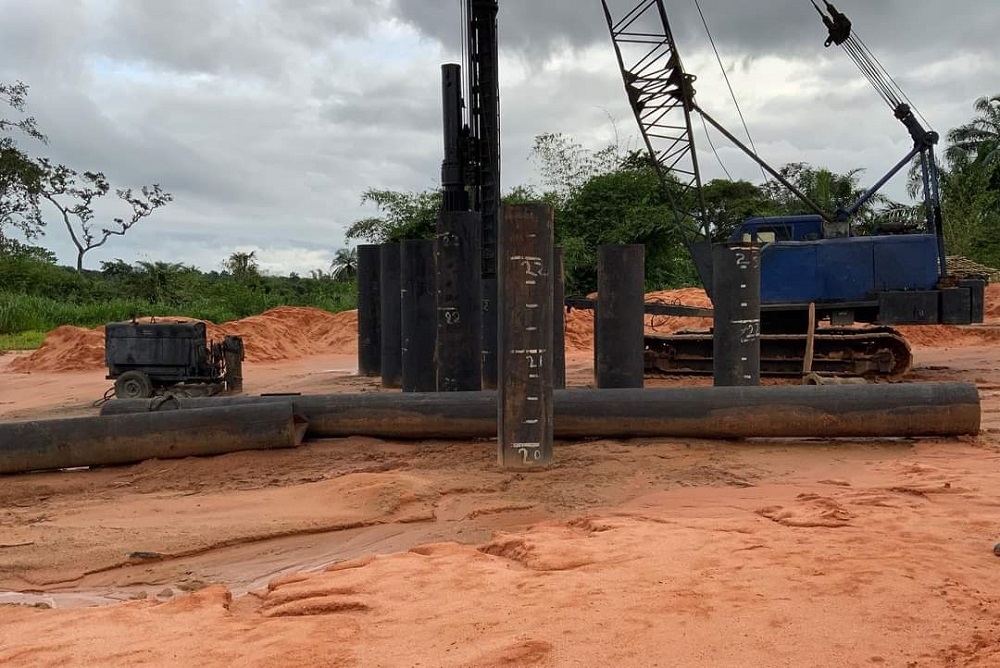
(362, 552)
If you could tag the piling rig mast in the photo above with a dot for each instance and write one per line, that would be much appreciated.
(470, 173)
(811, 259)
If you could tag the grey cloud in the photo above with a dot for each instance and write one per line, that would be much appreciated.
(759, 27)
(267, 119)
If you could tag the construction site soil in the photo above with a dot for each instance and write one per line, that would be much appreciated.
(363, 552)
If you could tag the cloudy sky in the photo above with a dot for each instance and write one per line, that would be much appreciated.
(267, 119)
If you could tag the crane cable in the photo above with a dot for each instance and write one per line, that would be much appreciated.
(865, 60)
(885, 73)
(732, 94)
(714, 150)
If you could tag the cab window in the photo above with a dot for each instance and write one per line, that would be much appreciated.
(764, 236)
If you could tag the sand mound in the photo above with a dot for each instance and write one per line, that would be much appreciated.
(579, 330)
(949, 336)
(992, 301)
(291, 332)
(283, 333)
(66, 348)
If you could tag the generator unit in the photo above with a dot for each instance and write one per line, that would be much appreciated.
(148, 358)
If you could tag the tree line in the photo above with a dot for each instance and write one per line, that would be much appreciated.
(37, 295)
(615, 196)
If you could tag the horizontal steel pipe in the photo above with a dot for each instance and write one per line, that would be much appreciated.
(799, 411)
(133, 437)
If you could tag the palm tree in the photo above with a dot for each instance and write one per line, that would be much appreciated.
(345, 264)
(979, 139)
(157, 280)
(242, 266)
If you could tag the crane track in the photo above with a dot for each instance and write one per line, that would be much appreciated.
(876, 352)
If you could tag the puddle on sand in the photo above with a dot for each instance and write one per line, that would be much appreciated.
(249, 567)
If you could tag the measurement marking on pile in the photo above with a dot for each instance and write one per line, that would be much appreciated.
(518, 446)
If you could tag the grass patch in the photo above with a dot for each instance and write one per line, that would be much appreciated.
(22, 340)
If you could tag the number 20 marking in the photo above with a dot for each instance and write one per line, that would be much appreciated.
(536, 455)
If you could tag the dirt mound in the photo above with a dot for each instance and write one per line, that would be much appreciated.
(283, 333)
(579, 330)
(291, 332)
(949, 336)
(992, 301)
(683, 296)
(66, 348)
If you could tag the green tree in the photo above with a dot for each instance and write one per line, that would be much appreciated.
(969, 185)
(117, 268)
(627, 205)
(729, 203)
(829, 190)
(157, 281)
(345, 264)
(566, 166)
(405, 215)
(242, 266)
(73, 195)
(979, 139)
(19, 175)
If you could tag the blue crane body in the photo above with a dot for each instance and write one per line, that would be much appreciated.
(799, 265)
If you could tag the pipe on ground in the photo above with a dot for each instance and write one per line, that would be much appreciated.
(133, 437)
(793, 411)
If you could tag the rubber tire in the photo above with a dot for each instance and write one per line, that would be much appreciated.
(133, 385)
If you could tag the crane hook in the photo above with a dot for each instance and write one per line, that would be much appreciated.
(836, 23)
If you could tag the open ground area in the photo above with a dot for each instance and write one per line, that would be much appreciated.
(645, 552)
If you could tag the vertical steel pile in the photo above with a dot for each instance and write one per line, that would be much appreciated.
(419, 324)
(619, 318)
(524, 416)
(736, 303)
(459, 310)
(369, 312)
(558, 319)
(392, 327)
